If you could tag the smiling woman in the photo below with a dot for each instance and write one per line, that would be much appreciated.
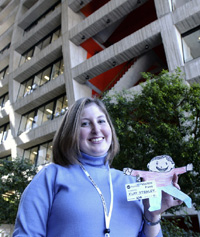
(79, 194)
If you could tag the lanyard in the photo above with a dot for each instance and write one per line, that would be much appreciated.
(106, 214)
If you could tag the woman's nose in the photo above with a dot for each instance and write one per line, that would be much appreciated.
(95, 128)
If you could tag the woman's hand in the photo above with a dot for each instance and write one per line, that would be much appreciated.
(167, 202)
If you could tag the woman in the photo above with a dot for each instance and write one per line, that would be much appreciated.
(79, 195)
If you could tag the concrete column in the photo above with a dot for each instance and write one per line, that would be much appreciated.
(13, 85)
(172, 42)
(17, 152)
(162, 7)
(72, 54)
(81, 90)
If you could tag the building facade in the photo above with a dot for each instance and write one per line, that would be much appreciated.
(55, 52)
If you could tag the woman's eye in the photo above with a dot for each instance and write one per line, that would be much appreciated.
(85, 124)
(102, 121)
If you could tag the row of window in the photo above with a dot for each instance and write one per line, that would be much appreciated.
(37, 155)
(39, 46)
(40, 154)
(5, 132)
(46, 112)
(3, 99)
(48, 12)
(3, 73)
(49, 73)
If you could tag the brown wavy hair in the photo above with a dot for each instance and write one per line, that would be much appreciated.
(66, 140)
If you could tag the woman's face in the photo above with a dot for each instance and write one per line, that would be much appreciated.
(95, 132)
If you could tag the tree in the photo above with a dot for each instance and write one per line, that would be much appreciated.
(164, 118)
(15, 176)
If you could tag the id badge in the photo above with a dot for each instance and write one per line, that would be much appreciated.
(141, 190)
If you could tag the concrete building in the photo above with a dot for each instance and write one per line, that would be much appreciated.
(54, 52)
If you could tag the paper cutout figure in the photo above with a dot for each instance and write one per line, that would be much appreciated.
(161, 170)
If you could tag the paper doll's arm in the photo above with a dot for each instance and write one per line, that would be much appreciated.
(183, 169)
(132, 172)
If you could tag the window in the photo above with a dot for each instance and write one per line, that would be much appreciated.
(21, 90)
(5, 132)
(31, 155)
(3, 73)
(29, 55)
(49, 111)
(46, 42)
(39, 155)
(50, 72)
(61, 106)
(22, 127)
(39, 117)
(30, 120)
(191, 44)
(37, 78)
(42, 153)
(26, 56)
(45, 76)
(28, 86)
(56, 35)
(3, 99)
(57, 69)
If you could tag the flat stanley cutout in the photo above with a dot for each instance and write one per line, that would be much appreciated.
(161, 170)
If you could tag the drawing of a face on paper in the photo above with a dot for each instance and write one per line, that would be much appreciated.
(161, 164)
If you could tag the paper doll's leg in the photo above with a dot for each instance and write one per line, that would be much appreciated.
(155, 202)
(173, 191)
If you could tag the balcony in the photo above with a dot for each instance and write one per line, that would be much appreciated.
(46, 26)
(37, 63)
(35, 12)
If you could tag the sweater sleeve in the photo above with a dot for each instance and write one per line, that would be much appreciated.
(35, 204)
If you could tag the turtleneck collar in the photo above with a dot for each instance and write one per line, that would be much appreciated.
(93, 160)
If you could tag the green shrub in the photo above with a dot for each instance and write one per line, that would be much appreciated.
(15, 176)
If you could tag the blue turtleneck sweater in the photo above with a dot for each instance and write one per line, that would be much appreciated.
(61, 201)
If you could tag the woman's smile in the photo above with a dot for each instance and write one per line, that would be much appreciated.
(96, 140)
